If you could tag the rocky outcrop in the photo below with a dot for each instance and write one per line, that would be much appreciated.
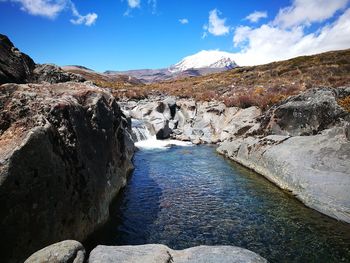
(315, 168)
(17, 67)
(162, 254)
(65, 151)
(53, 74)
(62, 252)
(188, 120)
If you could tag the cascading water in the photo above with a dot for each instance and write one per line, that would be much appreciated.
(145, 140)
(139, 131)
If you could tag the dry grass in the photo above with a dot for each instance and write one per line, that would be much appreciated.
(345, 103)
(262, 85)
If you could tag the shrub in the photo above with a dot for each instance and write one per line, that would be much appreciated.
(345, 103)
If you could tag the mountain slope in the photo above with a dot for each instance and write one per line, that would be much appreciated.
(204, 59)
(202, 63)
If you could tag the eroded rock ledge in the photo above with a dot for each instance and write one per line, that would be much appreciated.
(73, 251)
(65, 151)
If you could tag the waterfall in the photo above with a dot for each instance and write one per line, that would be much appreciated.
(145, 140)
(140, 132)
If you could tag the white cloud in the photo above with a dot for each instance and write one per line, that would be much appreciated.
(46, 8)
(183, 21)
(87, 20)
(308, 11)
(52, 8)
(134, 3)
(216, 24)
(270, 42)
(256, 16)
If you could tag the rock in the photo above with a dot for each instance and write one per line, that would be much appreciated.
(15, 67)
(199, 122)
(68, 251)
(53, 74)
(65, 151)
(162, 254)
(316, 169)
(306, 114)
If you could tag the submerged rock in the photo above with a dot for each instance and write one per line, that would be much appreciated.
(65, 151)
(68, 251)
(162, 254)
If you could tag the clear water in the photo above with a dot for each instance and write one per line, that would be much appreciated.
(189, 196)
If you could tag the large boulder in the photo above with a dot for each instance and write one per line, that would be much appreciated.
(308, 113)
(15, 66)
(68, 251)
(162, 254)
(65, 151)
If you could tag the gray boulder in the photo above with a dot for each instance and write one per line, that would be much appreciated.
(306, 114)
(68, 251)
(162, 254)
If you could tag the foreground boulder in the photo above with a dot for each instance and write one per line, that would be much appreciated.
(315, 167)
(62, 252)
(65, 151)
(162, 254)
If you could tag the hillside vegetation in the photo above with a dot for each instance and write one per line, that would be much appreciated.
(262, 85)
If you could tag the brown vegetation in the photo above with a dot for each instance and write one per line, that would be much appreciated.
(345, 103)
(262, 85)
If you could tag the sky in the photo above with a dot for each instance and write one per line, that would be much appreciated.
(137, 34)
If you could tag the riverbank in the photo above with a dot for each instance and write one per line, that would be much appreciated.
(301, 144)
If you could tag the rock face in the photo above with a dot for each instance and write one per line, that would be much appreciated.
(62, 252)
(162, 254)
(315, 168)
(15, 66)
(65, 151)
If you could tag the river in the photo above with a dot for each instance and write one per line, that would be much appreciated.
(186, 196)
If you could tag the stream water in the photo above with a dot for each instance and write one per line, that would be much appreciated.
(189, 196)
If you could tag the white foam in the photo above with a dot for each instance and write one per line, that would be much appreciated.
(153, 143)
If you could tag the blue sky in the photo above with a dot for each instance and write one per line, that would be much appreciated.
(133, 34)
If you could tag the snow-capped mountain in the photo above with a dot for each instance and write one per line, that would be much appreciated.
(202, 63)
(209, 59)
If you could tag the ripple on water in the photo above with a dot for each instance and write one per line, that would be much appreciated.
(185, 197)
